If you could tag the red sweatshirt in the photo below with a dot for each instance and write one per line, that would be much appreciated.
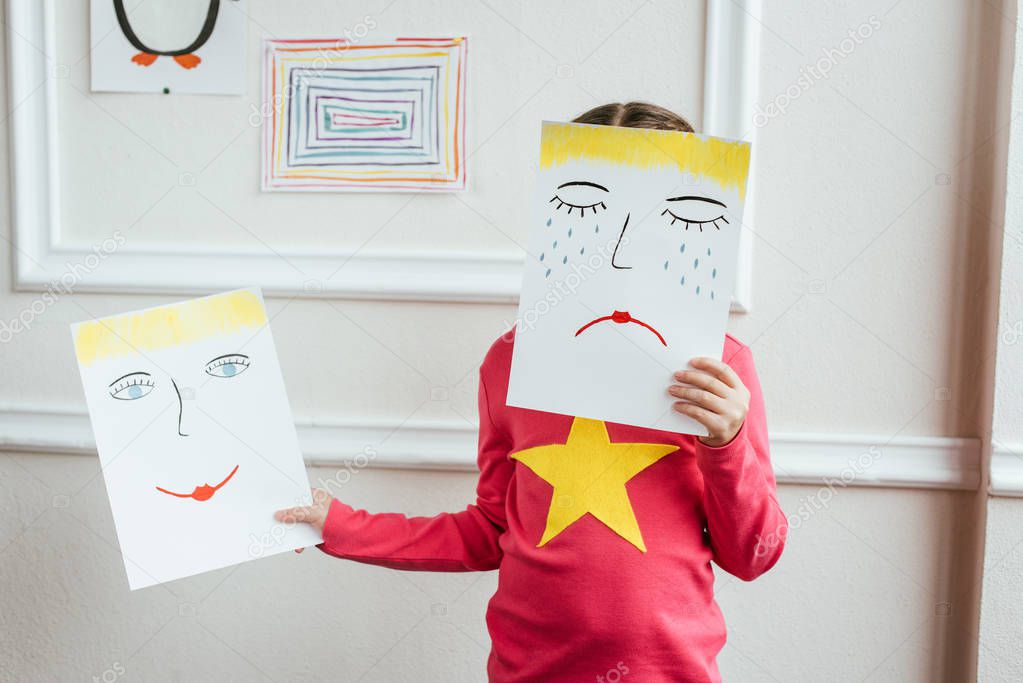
(603, 534)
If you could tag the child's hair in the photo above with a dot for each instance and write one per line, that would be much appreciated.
(634, 115)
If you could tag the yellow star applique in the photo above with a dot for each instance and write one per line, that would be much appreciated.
(589, 474)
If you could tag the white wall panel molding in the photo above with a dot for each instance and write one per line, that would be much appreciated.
(44, 252)
(815, 459)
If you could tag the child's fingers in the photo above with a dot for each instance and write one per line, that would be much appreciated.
(297, 514)
(704, 399)
(708, 419)
(722, 371)
(703, 381)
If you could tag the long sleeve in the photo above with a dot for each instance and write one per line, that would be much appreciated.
(747, 527)
(461, 541)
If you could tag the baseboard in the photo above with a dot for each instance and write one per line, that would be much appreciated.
(805, 458)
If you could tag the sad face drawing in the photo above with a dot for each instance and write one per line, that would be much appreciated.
(630, 269)
(193, 430)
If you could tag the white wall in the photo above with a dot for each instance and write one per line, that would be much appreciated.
(854, 598)
(866, 268)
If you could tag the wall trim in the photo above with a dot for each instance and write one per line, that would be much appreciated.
(814, 459)
(1006, 471)
(732, 58)
(44, 254)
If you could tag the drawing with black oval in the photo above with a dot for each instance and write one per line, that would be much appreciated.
(184, 56)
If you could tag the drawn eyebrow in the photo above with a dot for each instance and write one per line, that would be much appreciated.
(699, 199)
(130, 374)
(587, 183)
(228, 355)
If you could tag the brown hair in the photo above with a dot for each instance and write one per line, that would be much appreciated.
(634, 115)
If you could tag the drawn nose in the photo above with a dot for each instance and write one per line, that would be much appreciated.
(622, 241)
(181, 409)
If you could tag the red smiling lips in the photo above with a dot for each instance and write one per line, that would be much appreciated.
(204, 492)
(621, 317)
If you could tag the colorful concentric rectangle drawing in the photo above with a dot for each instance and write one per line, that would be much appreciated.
(384, 116)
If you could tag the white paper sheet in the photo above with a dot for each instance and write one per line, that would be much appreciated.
(381, 115)
(183, 46)
(195, 435)
(629, 273)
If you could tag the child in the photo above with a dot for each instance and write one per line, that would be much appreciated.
(584, 595)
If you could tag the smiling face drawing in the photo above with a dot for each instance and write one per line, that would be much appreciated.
(630, 267)
(194, 433)
(163, 382)
(137, 385)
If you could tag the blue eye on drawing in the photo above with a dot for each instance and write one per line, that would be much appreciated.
(694, 206)
(228, 365)
(132, 386)
(580, 195)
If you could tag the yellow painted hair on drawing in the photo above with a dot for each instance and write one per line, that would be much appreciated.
(724, 161)
(166, 326)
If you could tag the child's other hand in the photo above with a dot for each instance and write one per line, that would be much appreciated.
(715, 397)
(314, 515)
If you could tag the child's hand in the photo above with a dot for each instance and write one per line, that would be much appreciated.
(716, 398)
(314, 515)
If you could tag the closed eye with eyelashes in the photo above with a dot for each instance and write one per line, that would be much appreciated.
(692, 212)
(715, 222)
(581, 196)
(601, 206)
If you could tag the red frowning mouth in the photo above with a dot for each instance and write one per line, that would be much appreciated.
(204, 492)
(621, 317)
